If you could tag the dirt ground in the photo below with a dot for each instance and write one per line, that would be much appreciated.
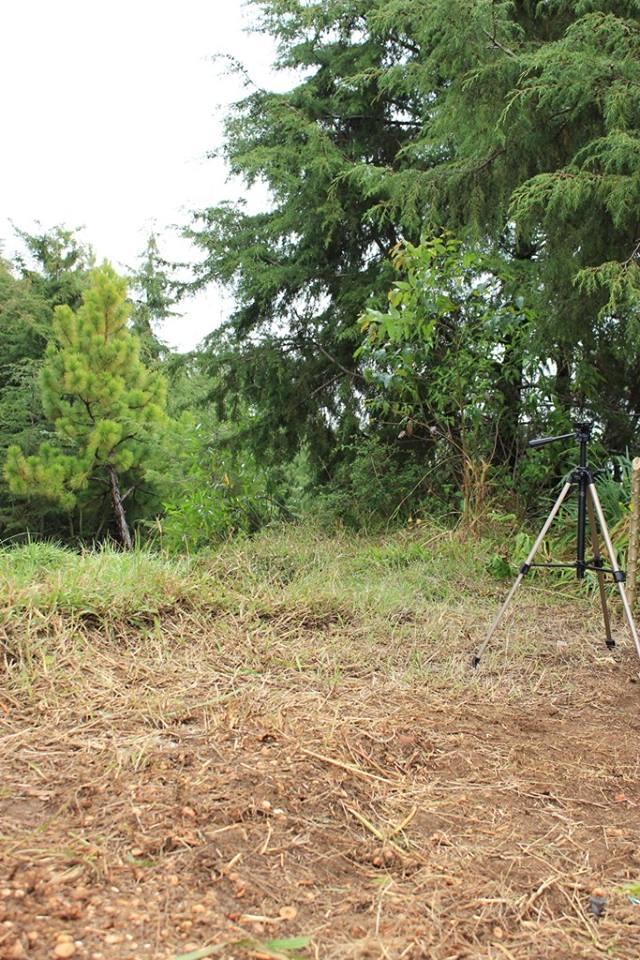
(199, 787)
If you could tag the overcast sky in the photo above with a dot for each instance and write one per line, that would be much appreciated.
(108, 112)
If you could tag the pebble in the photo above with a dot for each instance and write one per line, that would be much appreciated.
(66, 948)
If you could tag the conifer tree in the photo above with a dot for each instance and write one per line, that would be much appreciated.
(513, 123)
(102, 401)
(50, 269)
(152, 297)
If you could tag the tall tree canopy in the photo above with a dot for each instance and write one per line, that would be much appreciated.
(513, 123)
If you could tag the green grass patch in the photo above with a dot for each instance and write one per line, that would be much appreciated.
(286, 566)
(104, 583)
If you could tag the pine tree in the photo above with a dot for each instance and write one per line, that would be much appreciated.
(51, 269)
(103, 403)
(303, 270)
(55, 263)
(152, 297)
(514, 123)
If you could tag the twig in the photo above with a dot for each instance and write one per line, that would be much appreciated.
(405, 823)
(351, 767)
(549, 882)
(374, 830)
(500, 46)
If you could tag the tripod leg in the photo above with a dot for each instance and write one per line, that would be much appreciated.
(618, 575)
(523, 570)
(610, 642)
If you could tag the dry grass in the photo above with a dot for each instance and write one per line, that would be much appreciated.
(285, 741)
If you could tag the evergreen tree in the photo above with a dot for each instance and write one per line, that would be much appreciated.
(303, 270)
(513, 122)
(153, 298)
(55, 263)
(51, 270)
(103, 403)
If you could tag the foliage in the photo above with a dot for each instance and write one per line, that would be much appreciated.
(215, 496)
(103, 403)
(303, 270)
(513, 124)
(55, 264)
(375, 485)
(153, 298)
(52, 270)
(442, 357)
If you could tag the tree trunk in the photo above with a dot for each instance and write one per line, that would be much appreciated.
(510, 386)
(509, 383)
(634, 532)
(118, 509)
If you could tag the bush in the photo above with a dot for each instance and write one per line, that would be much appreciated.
(375, 485)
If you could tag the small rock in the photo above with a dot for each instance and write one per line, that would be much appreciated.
(66, 948)
(287, 913)
(598, 906)
(407, 739)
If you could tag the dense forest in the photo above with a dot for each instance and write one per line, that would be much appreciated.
(449, 264)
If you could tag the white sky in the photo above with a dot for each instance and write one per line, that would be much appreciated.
(108, 112)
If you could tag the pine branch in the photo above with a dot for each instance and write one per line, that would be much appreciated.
(499, 45)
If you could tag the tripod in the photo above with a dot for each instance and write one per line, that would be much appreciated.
(588, 501)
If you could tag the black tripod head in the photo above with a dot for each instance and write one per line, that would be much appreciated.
(581, 433)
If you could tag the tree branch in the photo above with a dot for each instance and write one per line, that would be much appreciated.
(500, 46)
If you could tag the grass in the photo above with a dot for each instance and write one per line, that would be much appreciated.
(383, 576)
(105, 583)
(397, 601)
(281, 741)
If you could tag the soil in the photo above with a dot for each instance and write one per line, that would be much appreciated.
(155, 803)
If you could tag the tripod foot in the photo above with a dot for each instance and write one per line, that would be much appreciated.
(475, 662)
(610, 644)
